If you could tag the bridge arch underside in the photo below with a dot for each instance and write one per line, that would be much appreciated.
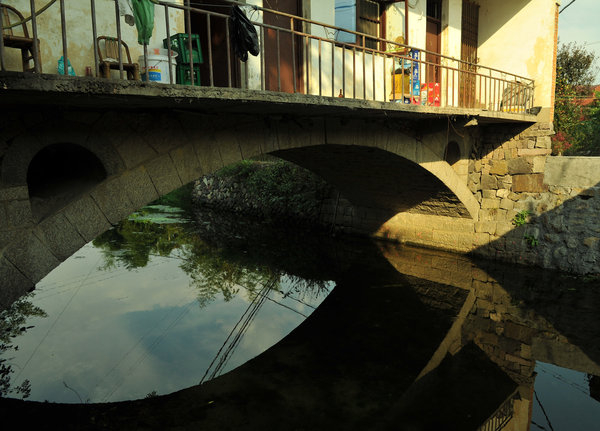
(137, 157)
(379, 182)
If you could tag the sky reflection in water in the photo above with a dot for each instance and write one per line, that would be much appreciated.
(116, 334)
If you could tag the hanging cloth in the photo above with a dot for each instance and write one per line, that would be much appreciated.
(143, 11)
(243, 34)
(126, 11)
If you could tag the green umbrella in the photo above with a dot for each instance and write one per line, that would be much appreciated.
(143, 11)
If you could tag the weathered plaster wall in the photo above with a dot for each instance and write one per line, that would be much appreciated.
(518, 36)
(79, 32)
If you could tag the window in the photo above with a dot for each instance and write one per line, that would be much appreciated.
(363, 16)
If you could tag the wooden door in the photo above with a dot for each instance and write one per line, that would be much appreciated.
(468, 53)
(225, 66)
(283, 58)
(433, 40)
(433, 44)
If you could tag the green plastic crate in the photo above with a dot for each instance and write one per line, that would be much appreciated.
(179, 44)
(184, 76)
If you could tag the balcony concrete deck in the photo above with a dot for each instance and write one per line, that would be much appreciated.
(17, 88)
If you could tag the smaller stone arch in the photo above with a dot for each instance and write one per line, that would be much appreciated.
(59, 173)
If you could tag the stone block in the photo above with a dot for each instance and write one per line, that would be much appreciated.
(18, 213)
(14, 284)
(488, 194)
(487, 203)
(163, 174)
(519, 166)
(532, 183)
(4, 225)
(111, 197)
(481, 239)
(488, 214)
(14, 193)
(488, 182)
(186, 163)
(60, 236)
(31, 257)
(252, 142)
(591, 242)
(502, 193)
(208, 153)
(503, 228)
(543, 142)
(485, 227)
(139, 187)
(506, 204)
(135, 151)
(533, 152)
(227, 141)
(498, 167)
(87, 218)
(538, 164)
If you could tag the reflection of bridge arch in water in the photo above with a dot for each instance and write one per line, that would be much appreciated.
(385, 348)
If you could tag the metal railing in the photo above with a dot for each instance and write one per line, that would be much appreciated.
(300, 55)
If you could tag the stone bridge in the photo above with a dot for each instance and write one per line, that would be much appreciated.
(78, 155)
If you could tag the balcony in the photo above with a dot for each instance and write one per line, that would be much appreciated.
(299, 61)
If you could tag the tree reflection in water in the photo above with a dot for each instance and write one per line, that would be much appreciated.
(213, 266)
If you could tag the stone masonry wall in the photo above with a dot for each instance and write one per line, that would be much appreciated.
(507, 176)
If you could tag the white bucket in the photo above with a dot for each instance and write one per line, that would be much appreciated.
(158, 71)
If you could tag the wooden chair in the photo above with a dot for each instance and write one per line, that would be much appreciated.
(24, 42)
(108, 58)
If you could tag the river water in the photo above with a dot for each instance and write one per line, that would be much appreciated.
(275, 328)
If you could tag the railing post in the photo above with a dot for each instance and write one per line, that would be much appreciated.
(2, 66)
(188, 18)
(168, 34)
(228, 43)
(320, 71)
(120, 45)
(278, 35)
(210, 59)
(36, 46)
(293, 34)
(95, 36)
(63, 26)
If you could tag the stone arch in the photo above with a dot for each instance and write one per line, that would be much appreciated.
(26, 145)
(58, 173)
(150, 154)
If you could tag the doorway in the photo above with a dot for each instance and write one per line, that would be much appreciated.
(283, 59)
(433, 43)
(468, 53)
(226, 70)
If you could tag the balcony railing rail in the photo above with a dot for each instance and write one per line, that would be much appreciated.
(300, 55)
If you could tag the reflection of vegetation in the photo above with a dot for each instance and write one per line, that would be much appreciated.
(131, 242)
(12, 323)
(212, 269)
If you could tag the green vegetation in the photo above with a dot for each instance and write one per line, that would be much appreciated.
(12, 323)
(577, 124)
(275, 186)
(531, 240)
(520, 218)
(179, 198)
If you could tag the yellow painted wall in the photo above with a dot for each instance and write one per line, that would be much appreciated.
(79, 32)
(518, 36)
